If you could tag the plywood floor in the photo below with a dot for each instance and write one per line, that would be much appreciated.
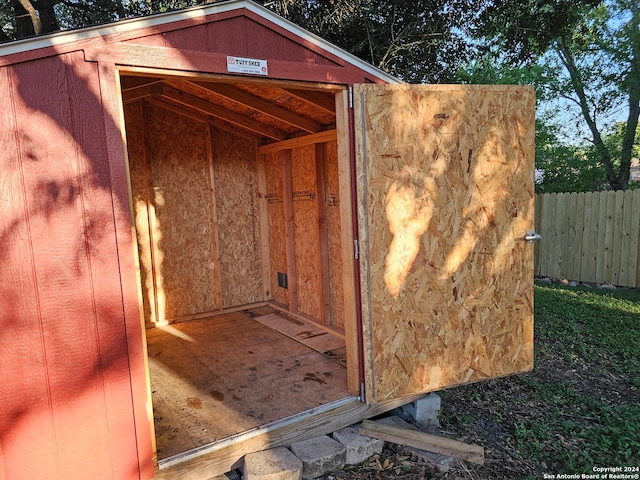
(219, 376)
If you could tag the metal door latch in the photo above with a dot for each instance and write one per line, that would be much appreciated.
(532, 236)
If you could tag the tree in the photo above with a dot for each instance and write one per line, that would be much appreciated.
(418, 41)
(564, 168)
(597, 50)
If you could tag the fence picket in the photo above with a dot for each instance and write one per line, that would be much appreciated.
(627, 202)
(537, 224)
(558, 220)
(608, 236)
(546, 241)
(576, 246)
(601, 231)
(616, 246)
(634, 241)
(588, 260)
(569, 232)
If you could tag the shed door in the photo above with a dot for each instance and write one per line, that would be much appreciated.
(445, 193)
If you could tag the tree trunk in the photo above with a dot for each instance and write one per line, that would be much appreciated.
(566, 55)
(633, 81)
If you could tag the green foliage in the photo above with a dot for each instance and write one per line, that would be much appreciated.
(564, 168)
(524, 30)
(419, 41)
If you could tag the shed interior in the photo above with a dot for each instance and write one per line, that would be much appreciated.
(240, 228)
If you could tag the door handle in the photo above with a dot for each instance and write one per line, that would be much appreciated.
(531, 236)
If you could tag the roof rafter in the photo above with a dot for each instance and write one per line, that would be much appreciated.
(217, 111)
(314, 98)
(260, 105)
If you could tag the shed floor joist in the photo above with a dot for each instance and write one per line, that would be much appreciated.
(216, 377)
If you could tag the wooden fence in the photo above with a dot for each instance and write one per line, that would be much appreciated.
(589, 237)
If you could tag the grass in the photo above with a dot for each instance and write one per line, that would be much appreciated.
(580, 407)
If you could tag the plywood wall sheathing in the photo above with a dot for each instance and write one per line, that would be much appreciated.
(263, 219)
(235, 174)
(334, 235)
(215, 247)
(139, 174)
(323, 242)
(277, 232)
(305, 213)
(447, 173)
(289, 228)
(182, 197)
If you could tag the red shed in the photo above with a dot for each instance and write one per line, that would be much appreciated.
(221, 234)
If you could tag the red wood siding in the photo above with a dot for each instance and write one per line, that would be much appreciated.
(66, 406)
(239, 36)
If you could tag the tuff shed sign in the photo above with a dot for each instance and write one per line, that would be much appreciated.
(253, 66)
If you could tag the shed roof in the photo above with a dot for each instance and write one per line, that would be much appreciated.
(52, 43)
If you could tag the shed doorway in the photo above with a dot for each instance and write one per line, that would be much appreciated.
(242, 222)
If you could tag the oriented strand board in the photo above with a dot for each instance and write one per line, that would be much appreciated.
(235, 177)
(447, 175)
(139, 175)
(185, 276)
(334, 237)
(231, 375)
(307, 240)
(277, 241)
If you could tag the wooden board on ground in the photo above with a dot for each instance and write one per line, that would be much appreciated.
(423, 441)
(319, 339)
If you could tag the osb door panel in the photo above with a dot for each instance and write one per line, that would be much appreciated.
(445, 194)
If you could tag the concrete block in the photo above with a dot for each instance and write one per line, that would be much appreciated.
(396, 421)
(232, 475)
(359, 447)
(320, 455)
(274, 464)
(424, 411)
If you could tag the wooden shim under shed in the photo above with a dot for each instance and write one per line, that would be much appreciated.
(423, 441)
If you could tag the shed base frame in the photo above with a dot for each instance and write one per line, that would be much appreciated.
(226, 455)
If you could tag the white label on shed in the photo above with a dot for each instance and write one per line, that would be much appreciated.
(253, 66)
